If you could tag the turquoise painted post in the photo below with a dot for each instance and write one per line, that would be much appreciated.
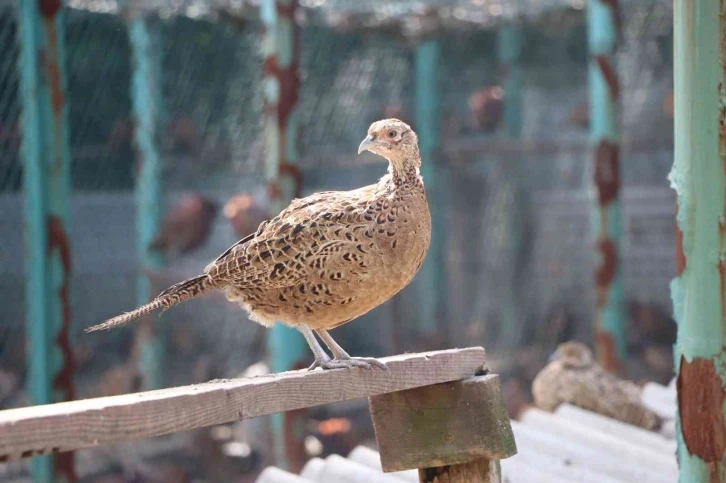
(147, 101)
(432, 280)
(286, 348)
(510, 43)
(610, 328)
(47, 189)
(699, 291)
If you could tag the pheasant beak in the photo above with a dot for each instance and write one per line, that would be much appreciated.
(554, 356)
(367, 143)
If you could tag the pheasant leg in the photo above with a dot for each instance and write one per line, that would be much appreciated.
(321, 358)
(343, 359)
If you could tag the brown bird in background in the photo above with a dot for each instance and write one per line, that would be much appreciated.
(187, 225)
(579, 115)
(244, 214)
(327, 258)
(574, 377)
(486, 106)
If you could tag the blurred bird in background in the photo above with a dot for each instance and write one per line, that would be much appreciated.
(574, 377)
(579, 115)
(186, 227)
(245, 213)
(486, 106)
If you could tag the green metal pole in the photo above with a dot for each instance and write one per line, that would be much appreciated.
(147, 101)
(699, 290)
(286, 348)
(432, 281)
(510, 43)
(610, 328)
(47, 188)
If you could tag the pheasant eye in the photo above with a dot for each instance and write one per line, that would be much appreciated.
(391, 134)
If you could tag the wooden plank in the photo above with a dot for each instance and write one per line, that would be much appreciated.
(67, 426)
(444, 424)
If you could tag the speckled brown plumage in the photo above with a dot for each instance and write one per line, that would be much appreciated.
(327, 258)
(574, 377)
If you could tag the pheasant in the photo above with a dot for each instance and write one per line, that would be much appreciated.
(574, 377)
(328, 258)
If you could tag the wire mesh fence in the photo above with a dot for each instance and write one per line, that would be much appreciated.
(520, 257)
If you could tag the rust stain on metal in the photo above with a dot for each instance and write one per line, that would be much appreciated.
(58, 242)
(286, 11)
(63, 380)
(680, 255)
(288, 80)
(700, 405)
(288, 77)
(49, 8)
(605, 271)
(605, 350)
(52, 69)
(607, 172)
(609, 74)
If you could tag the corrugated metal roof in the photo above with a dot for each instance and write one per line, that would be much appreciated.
(569, 446)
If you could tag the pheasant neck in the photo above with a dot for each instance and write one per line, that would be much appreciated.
(405, 171)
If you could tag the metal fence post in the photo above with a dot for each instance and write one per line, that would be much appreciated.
(147, 103)
(432, 280)
(699, 290)
(47, 189)
(286, 347)
(610, 328)
(510, 43)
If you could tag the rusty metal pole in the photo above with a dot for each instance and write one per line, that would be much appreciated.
(286, 348)
(147, 103)
(699, 290)
(610, 326)
(47, 190)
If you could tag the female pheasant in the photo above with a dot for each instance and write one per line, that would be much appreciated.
(574, 377)
(327, 258)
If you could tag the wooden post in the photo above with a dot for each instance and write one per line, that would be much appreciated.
(699, 290)
(147, 101)
(286, 348)
(453, 432)
(610, 329)
(432, 282)
(47, 188)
